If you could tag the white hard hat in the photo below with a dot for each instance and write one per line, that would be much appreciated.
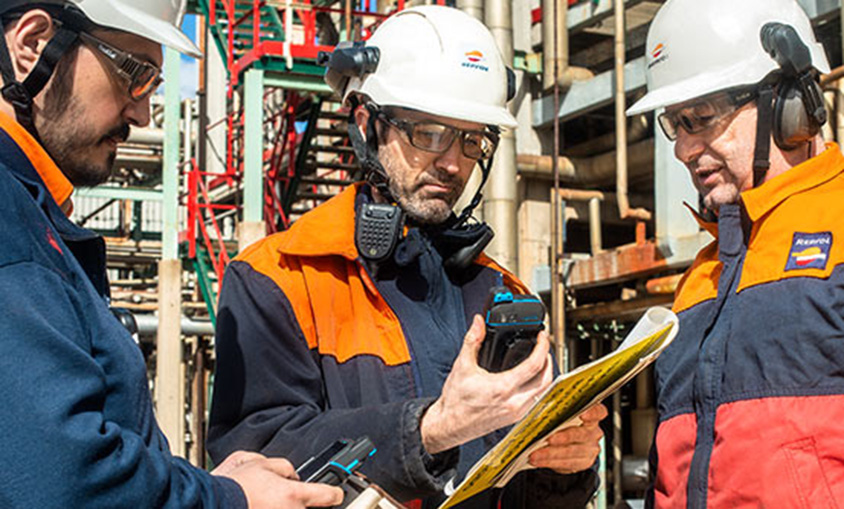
(156, 20)
(437, 60)
(697, 47)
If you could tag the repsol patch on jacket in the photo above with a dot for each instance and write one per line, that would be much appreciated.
(809, 251)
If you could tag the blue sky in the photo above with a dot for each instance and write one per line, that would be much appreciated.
(189, 67)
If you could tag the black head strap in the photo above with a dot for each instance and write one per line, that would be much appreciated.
(764, 122)
(366, 150)
(21, 94)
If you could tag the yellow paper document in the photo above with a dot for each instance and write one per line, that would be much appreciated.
(565, 400)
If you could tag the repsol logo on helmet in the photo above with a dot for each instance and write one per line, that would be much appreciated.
(475, 60)
(658, 54)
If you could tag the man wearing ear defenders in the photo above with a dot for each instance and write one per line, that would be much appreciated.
(354, 322)
(750, 395)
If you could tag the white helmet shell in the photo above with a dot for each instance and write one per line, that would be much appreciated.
(156, 20)
(441, 61)
(697, 47)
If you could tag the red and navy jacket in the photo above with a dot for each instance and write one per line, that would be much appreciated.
(312, 347)
(77, 423)
(750, 394)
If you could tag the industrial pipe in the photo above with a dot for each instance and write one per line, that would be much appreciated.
(474, 8)
(637, 130)
(501, 191)
(597, 171)
(148, 326)
(555, 58)
(624, 209)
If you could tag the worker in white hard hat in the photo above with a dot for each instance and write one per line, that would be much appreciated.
(363, 318)
(77, 423)
(750, 395)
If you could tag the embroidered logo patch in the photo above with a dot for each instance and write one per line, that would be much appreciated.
(809, 251)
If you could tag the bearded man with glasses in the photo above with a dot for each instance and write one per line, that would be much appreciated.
(363, 318)
(750, 395)
(77, 425)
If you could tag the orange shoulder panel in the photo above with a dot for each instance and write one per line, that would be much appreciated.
(816, 211)
(338, 309)
(510, 280)
(700, 282)
(57, 184)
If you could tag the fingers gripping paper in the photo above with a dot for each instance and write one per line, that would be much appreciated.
(566, 398)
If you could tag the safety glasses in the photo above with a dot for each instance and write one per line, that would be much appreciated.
(143, 77)
(438, 138)
(705, 113)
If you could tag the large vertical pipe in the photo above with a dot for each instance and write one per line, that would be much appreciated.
(474, 8)
(252, 228)
(169, 386)
(621, 121)
(555, 42)
(500, 202)
(558, 304)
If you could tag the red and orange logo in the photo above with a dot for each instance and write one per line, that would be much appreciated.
(657, 51)
(474, 56)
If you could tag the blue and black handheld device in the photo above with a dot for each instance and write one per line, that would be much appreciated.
(336, 462)
(512, 324)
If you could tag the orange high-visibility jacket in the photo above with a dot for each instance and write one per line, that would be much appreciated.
(312, 348)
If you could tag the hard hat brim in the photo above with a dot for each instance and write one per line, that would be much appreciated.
(134, 21)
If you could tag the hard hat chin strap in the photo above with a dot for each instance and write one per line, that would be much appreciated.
(764, 123)
(21, 94)
(366, 151)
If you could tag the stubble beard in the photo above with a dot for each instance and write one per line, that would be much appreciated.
(67, 135)
(421, 209)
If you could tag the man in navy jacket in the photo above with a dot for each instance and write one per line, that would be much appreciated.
(77, 423)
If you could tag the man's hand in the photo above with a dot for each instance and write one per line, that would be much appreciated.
(475, 402)
(273, 483)
(573, 449)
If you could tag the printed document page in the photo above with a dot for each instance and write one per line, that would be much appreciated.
(569, 396)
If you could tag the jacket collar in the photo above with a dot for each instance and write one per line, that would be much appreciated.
(326, 230)
(52, 177)
(806, 175)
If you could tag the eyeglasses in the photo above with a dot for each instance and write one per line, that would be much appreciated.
(143, 77)
(705, 113)
(438, 138)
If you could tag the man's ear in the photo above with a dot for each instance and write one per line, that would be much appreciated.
(362, 119)
(27, 37)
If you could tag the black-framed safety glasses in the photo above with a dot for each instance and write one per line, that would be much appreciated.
(143, 77)
(704, 113)
(438, 138)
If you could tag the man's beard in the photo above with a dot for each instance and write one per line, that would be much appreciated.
(421, 209)
(68, 137)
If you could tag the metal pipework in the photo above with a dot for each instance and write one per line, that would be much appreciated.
(555, 58)
(624, 209)
(594, 199)
(501, 191)
(594, 171)
(474, 8)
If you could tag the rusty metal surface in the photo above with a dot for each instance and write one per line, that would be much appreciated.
(618, 264)
(621, 310)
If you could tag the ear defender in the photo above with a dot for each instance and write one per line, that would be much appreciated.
(799, 111)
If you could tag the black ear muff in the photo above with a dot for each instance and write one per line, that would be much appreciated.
(793, 126)
(799, 110)
(511, 84)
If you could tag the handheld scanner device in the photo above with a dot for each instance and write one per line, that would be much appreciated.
(512, 324)
(337, 462)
